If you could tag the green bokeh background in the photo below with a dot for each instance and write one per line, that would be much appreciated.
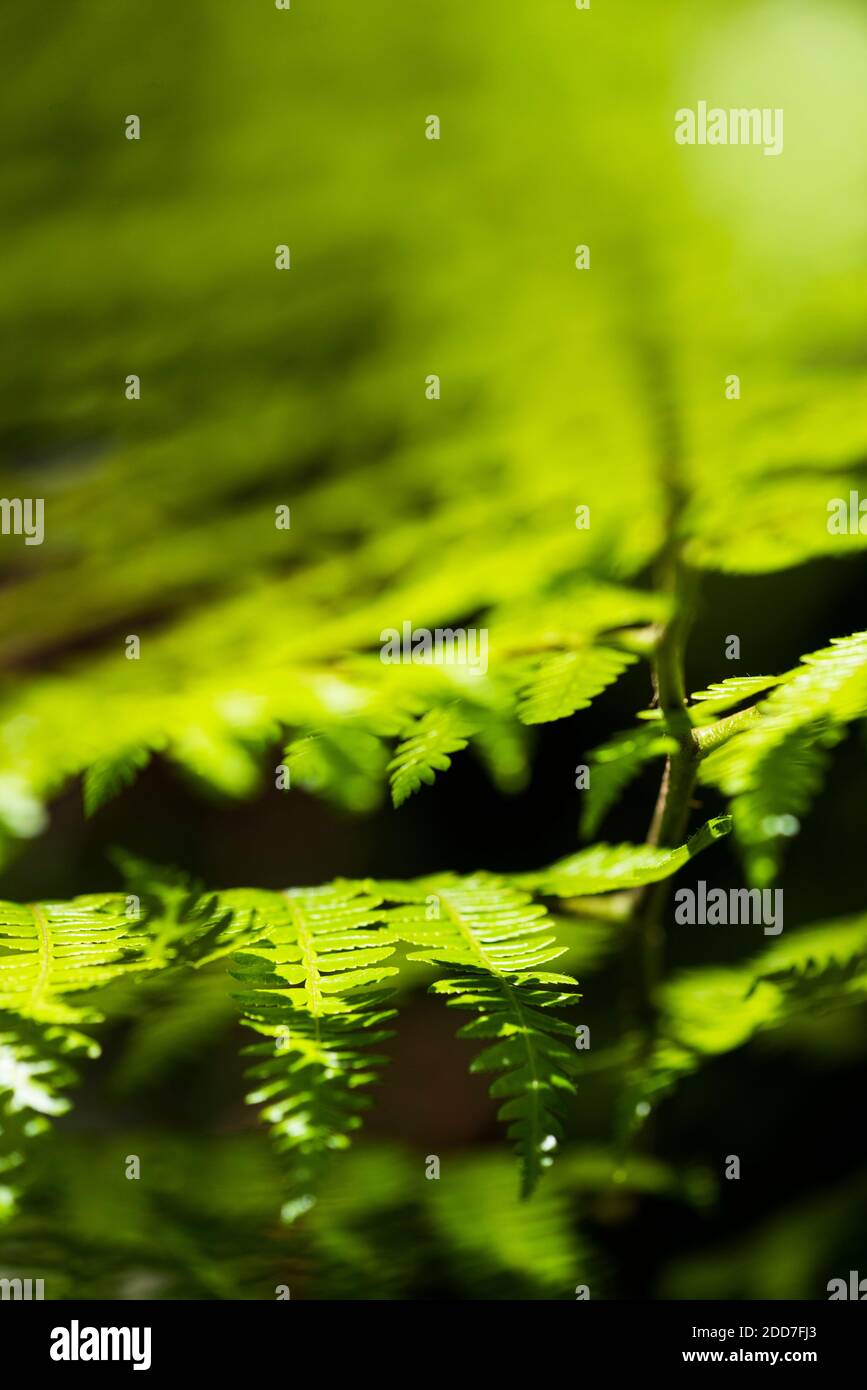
(306, 388)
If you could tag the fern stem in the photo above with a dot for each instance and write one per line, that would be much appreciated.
(712, 736)
(671, 812)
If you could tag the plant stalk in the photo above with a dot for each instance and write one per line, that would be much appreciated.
(671, 814)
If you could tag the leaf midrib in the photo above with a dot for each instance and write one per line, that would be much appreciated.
(306, 942)
(478, 948)
(46, 956)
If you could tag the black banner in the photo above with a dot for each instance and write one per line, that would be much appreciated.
(86, 1340)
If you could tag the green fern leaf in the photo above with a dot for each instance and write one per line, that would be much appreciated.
(502, 746)
(28, 1080)
(494, 941)
(183, 925)
(614, 765)
(830, 687)
(564, 682)
(54, 958)
(107, 777)
(609, 868)
(498, 1240)
(439, 733)
(58, 958)
(179, 1017)
(782, 785)
(217, 757)
(33, 1077)
(344, 763)
(773, 768)
(33, 1074)
(713, 1010)
(313, 986)
(724, 695)
(55, 951)
(576, 615)
(830, 954)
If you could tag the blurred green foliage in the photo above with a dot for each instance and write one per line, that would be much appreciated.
(306, 388)
(262, 389)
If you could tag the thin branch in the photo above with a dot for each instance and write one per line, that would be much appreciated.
(711, 736)
(671, 813)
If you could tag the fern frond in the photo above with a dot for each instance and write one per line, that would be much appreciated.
(773, 768)
(427, 749)
(502, 746)
(563, 682)
(183, 925)
(313, 986)
(180, 1016)
(55, 951)
(712, 1010)
(781, 788)
(344, 763)
(724, 695)
(495, 941)
(577, 613)
(614, 765)
(33, 1077)
(55, 958)
(830, 686)
(58, 960)
(496, 1242)
(779, 521)
(830, 954)
(107, 777)
(608, 868)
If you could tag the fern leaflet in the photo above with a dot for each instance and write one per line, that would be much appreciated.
(614, 765)
(564, 682)
(773, 768)
(58, 949)
(609, 868)
(107, 777)
(313, 987)
(494, 941)
(426, 750)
